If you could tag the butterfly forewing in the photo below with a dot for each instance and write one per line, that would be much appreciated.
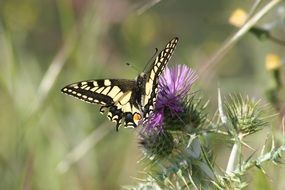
(153, 76)
(104, 92)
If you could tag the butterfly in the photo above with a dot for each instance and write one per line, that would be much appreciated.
(127, 101)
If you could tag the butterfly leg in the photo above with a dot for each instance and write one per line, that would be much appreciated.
(117, 126)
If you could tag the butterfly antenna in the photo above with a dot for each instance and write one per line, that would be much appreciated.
(132, 66)
(149, 61)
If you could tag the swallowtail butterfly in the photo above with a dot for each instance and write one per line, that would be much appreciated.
(127, 101)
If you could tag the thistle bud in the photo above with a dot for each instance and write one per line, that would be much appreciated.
(245, 115)
(156, 143)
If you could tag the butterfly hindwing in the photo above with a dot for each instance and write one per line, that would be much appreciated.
(153, 76)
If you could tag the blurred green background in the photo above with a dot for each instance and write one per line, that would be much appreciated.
(45, 45)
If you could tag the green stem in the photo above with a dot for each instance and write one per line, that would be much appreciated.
(234, 154)
(272, 155)
(232, 159)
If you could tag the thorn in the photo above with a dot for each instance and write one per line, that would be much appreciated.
(220, 108)
(242, 142)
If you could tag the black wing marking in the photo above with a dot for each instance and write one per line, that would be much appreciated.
(153, 76)
(112, 94)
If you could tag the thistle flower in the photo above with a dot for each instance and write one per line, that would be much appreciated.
(173, 88)
(174, 85)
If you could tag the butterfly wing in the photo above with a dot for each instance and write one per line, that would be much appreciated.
(152, 76)
(112, 94)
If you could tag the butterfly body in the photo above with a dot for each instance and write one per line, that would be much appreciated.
(126, 100)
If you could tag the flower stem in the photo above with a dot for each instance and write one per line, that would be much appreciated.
(232, 159)
(233, 156)
(272, 155)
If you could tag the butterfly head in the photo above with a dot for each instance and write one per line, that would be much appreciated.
(141, 80)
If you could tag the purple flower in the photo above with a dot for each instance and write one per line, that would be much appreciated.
(173, 86)
(177, 81)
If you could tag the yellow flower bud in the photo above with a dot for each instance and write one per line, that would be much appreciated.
(273, 62)
(238, 17)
